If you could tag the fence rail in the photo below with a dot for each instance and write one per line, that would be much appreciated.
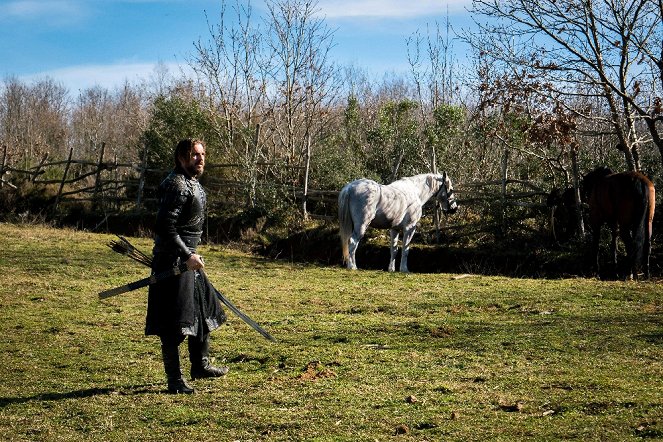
(114, 186)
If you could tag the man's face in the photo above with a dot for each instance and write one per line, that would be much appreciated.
(195, 164)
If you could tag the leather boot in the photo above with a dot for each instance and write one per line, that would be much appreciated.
(201, 366)
(171, 363)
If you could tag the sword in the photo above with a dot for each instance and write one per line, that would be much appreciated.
(143, 282)
(124, 247)
(253, 324)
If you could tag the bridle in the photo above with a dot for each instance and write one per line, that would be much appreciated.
(448, 193)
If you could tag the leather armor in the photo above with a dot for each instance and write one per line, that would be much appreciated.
(181, 215)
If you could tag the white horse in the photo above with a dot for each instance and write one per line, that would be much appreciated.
(396, 207)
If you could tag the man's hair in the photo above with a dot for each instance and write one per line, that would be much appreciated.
(184, 149)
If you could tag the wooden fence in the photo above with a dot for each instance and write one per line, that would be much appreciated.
(98, 182)
(113, 187)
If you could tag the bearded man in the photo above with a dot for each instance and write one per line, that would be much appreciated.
(183, 306)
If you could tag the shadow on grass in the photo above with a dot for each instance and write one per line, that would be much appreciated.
(79, 394)
(652, 338)
(535, 256)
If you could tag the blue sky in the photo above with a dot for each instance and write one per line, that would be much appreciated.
(82, 43)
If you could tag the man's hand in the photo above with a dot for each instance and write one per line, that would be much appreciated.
(195, 262)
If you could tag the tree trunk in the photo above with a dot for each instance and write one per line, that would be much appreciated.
(505, 172)
(576, 186)
(306, 173)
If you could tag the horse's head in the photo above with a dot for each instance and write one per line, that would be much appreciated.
(590, 180)
(446, 194)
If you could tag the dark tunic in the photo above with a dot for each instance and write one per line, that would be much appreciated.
(184, 304)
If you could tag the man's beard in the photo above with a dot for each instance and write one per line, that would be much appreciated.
(194, 172)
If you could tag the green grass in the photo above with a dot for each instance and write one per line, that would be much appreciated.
(362, 356)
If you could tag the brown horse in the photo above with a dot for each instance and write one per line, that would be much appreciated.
(626, 202)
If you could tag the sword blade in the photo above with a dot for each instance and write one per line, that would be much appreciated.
(243, 316)
(143, 282)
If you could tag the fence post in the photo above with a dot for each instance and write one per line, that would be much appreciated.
(41, 164)
(97, 179)
(2, 167)
(116, 184)
(141, 181)
(64, 178)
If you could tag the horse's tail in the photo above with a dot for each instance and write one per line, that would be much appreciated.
(643, 231)
(345, 222)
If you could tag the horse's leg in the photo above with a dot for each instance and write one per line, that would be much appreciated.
(356, 236)
(393, 249)
(641, 240)
(613, 250)
(596, 239)
(408, 233)
(631, 252)
(646, 251)
(362, 214)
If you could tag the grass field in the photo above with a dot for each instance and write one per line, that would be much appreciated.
(362, 356)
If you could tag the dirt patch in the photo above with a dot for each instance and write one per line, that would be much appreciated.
(315, 370)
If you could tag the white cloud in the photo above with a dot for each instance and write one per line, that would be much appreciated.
(50, 10)
(78, 78)
(389, 8)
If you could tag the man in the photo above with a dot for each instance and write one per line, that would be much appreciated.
(183, 306)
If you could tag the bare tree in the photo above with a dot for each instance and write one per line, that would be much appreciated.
(432, 69)
(91, 121)
(232, 65)
(33, 119)
(131, 104)
(608, 49)
(304, 78)
(268, 84)
(114, 118)
(12, 111)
